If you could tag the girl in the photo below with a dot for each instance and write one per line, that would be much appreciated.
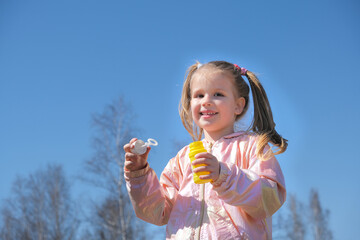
(247, 185)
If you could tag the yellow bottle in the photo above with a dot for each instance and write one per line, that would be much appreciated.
(195, 148)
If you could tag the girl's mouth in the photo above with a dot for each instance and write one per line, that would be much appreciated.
(208, 114)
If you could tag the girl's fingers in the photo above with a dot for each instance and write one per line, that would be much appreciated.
(204, 169)
(129, 146)
(213, 176)
(128, 165)
(130, 155)
(205, 177)
(207, 161)
(211, 165)
(204, 155)
(145, 155)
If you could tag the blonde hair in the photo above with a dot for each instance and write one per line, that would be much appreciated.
(263, 124)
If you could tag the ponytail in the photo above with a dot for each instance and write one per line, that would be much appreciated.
(263, 123)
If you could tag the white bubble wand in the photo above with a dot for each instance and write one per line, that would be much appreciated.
(140, 146)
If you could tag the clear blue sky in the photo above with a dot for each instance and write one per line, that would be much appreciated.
(61, 61)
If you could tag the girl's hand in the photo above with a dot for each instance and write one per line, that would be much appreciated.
(134, 161)
(212, 166)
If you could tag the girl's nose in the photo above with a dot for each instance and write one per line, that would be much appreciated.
(206, 101)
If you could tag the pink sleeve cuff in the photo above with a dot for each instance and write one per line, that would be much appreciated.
(224, 173)
(138, 173)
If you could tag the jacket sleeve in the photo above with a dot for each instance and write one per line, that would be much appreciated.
(153, 199)
(258, 190)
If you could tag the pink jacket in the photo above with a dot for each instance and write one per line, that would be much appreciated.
(238, 205)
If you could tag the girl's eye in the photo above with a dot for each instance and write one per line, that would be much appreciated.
(218, 95)
(199, 96)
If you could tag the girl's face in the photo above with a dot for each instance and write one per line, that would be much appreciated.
(214, 102)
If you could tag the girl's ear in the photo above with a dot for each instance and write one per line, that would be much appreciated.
(240, 104)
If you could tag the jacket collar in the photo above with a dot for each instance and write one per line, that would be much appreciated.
(234, 135)
(230, 136)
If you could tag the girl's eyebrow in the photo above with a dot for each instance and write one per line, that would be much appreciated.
(219, 90)
(195, 90)
(214, 90)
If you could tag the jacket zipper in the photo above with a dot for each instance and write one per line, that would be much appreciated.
(202, 199)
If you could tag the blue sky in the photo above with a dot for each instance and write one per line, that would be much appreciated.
(61, 61)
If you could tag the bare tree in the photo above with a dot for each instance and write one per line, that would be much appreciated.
(292, 225)
(40, 208)
(297, 228)
(114, 216)
(319, 219)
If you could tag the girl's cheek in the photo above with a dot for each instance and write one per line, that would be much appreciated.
(195, 109)
(193, 104)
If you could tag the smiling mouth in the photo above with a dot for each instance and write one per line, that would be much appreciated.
(208, 113)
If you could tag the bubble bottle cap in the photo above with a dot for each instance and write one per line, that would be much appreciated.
(140, 146)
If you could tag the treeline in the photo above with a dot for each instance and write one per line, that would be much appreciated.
(41, 206)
